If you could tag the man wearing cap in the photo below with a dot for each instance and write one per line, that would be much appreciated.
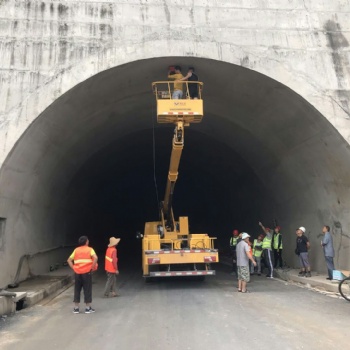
(267, 250)
(111, 267)
(83, 261)
(277, 247)
(243, 256)
(233, 245)
(303, 245)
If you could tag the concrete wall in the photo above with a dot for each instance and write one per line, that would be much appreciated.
(49, 47)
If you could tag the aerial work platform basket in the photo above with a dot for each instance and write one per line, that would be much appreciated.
(170, 110)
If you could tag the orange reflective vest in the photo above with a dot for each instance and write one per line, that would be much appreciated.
(109, 267)
(82, 260)
(250, 249)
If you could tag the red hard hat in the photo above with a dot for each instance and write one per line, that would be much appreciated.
(278, 227)
(235, 232)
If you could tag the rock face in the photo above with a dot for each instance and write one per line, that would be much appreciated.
(76, 120)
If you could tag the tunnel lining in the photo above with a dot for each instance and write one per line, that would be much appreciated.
(49, 155)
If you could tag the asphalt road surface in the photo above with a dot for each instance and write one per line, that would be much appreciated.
(185, 314)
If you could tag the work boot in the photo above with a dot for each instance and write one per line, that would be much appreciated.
(302, 273)
(308, 274)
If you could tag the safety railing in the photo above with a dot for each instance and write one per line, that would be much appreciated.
(164, 89)
(26, 257)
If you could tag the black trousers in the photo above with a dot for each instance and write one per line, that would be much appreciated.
(278, 258)
(83, 281)
(268, 257)
(234, 260)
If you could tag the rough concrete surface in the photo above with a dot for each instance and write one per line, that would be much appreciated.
(76, 125)
(316, 281)
(36, 289)
(184, 314)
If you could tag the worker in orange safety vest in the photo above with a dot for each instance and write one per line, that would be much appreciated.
(83, 261)
(111, 267)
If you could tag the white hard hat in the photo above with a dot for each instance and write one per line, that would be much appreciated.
(302, 228)
(245, 235)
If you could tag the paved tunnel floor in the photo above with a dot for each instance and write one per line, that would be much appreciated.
(183, 314)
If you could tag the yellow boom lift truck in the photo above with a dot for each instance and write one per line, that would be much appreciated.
(168, 248)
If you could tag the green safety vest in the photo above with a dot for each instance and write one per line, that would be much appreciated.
(233, 241)
(257, 248)
(267, 243)
(275, 241)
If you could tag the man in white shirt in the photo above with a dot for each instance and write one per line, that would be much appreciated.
(244, 254)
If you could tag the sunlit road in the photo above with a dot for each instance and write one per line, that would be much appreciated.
(184, 314)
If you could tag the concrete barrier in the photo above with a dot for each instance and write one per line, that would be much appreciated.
(34, 290)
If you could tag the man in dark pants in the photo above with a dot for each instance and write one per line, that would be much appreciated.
(83, 261)
(328, 249)
(277, 247)
(267, 250)
(193, 88)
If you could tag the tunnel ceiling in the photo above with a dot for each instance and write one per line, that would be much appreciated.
(91, 151)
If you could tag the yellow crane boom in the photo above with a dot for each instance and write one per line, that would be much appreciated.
(177, 147)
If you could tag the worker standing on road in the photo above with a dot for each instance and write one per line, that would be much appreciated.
(233, 245)
(267, 250)
(177, 93)
(83, 261)
(111, 267)
(257, 252)
(327, 244)
(243, 257)
(277, 247)
(303, 245)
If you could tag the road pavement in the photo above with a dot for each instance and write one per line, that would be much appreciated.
(184, 314)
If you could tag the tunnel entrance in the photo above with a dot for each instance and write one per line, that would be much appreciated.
(86, 165)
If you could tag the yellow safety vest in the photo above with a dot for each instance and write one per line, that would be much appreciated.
(256, 251)
(267, 243)
(275, 241)
(233, 241)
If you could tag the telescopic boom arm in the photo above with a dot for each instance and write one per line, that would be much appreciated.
(178, 145)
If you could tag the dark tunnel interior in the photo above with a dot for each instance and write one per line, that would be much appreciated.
(124, 183)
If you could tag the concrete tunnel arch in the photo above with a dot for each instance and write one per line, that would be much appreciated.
(85, 165)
